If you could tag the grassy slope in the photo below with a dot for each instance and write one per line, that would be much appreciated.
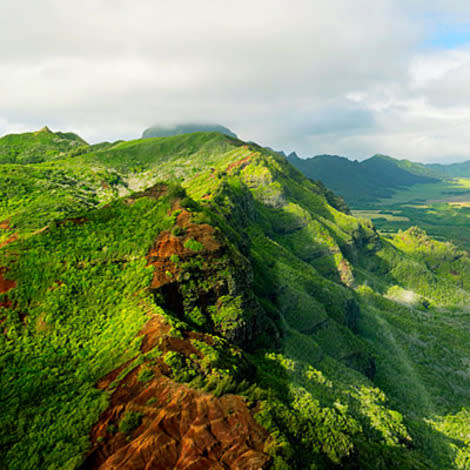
(43, 145)
(339, 295)
(81, 292)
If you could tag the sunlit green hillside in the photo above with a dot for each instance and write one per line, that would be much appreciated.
(349, 349)
(33, 147)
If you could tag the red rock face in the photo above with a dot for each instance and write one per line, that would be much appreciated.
(181, 428)
(5, 286)
(167, 245)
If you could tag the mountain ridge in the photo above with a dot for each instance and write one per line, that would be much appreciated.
(208, 269)
(360, 181)
(38, 146)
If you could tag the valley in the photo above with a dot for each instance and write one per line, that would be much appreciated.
(442, 209)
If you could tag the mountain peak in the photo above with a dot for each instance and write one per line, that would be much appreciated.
(186, 128)
(44, 130)
(293, 156)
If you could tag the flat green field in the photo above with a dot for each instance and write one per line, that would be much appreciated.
(379, 214)
(457, 189)
(442, 209)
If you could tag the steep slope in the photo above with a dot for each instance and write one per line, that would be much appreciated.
(248, 295)
(34, 147)
(371, 179)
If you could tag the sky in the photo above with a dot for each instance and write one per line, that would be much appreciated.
(341, 77)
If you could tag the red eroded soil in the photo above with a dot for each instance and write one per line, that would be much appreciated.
(181, 428)
(5, 286)
(10, 239)
(5, 225)
(240, 163)
(167, 245)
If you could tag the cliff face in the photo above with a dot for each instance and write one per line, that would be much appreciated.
(174, 426)
(203, 280)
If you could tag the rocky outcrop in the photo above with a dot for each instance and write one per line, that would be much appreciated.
(176, 427)
(204, 281)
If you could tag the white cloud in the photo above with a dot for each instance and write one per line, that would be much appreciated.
(338, 76)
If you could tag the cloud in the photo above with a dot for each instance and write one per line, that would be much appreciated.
(338, 76)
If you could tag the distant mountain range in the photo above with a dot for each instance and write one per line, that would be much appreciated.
(454, 170)
(374, 178)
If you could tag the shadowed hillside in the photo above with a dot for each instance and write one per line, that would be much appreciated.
(368, 180)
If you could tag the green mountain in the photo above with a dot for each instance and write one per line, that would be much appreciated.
(368, 180)
(195, 301)
(453, 170)
(35, 147)
(160, 131)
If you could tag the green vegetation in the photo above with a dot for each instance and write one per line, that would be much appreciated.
(399, 194)
(442, 209)
(81, 291)
(361, 182)
(193, 245)
(130, 421)
(351, 348)
(39, 146)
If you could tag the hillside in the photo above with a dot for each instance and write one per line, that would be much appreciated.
(368, 180)
(158, 294)
(35, 147)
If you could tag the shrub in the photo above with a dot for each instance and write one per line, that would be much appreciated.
(130, 421)
(174, 258)
(145, 375)
(196, 317)
(193, 245)
(179, 367)
(177, 231)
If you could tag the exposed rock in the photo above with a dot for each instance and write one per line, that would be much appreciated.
(195, 268)
(5, 286)
(180, 428)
